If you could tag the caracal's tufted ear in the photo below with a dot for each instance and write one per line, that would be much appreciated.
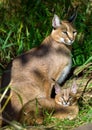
(55, 21)
(74, 15)
(74, 87)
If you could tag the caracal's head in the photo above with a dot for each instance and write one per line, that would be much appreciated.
(63, 31)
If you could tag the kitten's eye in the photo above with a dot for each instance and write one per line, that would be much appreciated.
(70, 98)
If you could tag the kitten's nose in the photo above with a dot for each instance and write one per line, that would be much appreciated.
(66, 103)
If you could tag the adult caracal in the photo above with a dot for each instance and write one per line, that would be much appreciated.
(30, 75)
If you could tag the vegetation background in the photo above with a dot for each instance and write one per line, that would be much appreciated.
(25, 23)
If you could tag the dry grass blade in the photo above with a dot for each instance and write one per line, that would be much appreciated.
(81, 68)
(4, 93)
(13, 125)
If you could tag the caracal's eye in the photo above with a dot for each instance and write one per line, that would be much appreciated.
(64, 32)
(74, 32)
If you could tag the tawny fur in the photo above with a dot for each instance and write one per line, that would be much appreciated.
(30, 75)
(34, 111)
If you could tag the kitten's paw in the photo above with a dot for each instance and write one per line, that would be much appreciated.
(71, 117)
(39, 121)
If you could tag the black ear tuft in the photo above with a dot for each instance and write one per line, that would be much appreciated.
(74, 15)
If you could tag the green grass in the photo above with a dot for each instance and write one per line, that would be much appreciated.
(24, 26)
(83, 117)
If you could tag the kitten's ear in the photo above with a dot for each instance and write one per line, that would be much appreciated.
(57, 89)
(55, 21)
(56, 86)
(74, 87)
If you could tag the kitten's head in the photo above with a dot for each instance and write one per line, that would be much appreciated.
(63, 31)
(66, 96)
